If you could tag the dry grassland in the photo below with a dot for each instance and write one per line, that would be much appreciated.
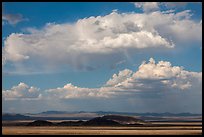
(182, 130)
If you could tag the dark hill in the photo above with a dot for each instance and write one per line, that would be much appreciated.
(107, 120)
(100, 121)
(114, 120)
(40, 123)
(70, 123)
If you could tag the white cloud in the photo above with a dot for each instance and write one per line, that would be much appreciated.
(71, 91)
(175, 4)
(155, 6)
(95, 39)
(21, 91)
(12, 19)
(150, 77)
(122, 76)
(168, 11)
(147, 6)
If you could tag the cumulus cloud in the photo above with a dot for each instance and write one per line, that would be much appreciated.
(122, 75)
(160, 76)
(71, 91)
(96, 39)
(150, 77)
(21, 91)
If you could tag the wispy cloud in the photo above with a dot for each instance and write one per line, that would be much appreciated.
(155, 6)
(13, 19)
(147, 6)
(115, 65)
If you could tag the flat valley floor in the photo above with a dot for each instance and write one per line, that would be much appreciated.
(176, 128)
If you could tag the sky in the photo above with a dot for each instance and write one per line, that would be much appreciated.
(102, 56)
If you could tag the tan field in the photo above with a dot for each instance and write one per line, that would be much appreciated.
(176, 130)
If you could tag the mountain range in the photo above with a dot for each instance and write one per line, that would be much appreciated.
(83, 115)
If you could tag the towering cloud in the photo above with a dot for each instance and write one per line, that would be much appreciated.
(149, 77)
(159, 76)
(94, 39)
(122, 76)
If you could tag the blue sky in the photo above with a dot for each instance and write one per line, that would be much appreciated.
(88, 58)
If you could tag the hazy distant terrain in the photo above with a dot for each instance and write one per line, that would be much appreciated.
(105, 124)
(82, 115)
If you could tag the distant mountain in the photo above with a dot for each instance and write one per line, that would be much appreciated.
(83, 115)
(121, 113)
(62, 112)
(167, 114)
(54, 112)
(15, 117)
